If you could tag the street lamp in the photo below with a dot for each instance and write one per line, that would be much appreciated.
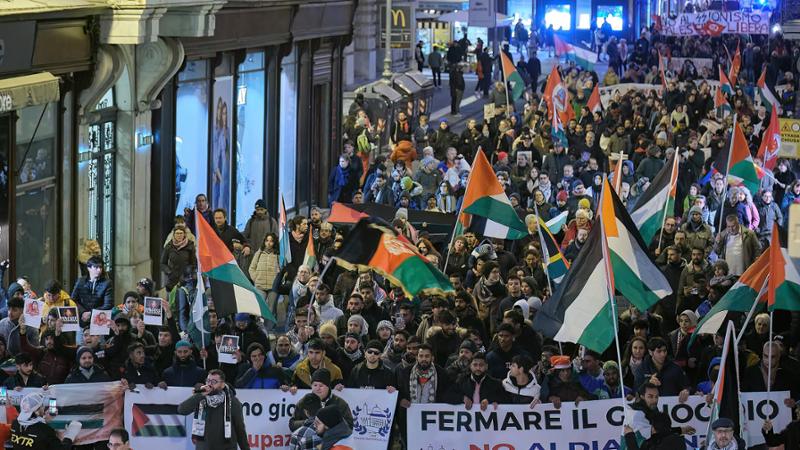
(387, 56)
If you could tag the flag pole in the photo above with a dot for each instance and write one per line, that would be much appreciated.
(200, 290)
(460, 208)
(752, 310)
(541, 239)
(769, 367)
(727, 169)
(664, 213)
(618, 172)
(319, 282)
(610, 293)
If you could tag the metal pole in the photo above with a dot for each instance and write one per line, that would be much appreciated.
(387, 55)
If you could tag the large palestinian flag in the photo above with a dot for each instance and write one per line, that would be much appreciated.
(741, 168)
(635, 275)
(725, 396)
(99, 409)
(748, 289)
(152, 420)
(486, 199)
(657, 202)
(372, 244)
(231, 290)
(783, 287)
(580, 310)
(513, 78)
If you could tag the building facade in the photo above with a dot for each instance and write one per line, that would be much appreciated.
(113, 119)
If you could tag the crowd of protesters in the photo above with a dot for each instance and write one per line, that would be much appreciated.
(338, 329)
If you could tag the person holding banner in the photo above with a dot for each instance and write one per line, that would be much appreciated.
(331, 426)
(218, 421)
(321, 396)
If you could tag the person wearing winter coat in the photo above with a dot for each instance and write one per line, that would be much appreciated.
(562, 384)
(184, 371)
(228, 234)
(264, 266)
(342, 182)
(93, 291)
(258, 374)
(260, 224)
(480, 388)
(331, 426)
(520, 383)
(662, 437)
(371, 373)
(321, 395)
(86, 371)
(222, 411)
(176, 257)
(428, 176)
(769, 213)
(53, 360)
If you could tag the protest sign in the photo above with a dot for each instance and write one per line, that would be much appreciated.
(153, 311)
(790, 138)
(69, 318)
(100, 324)
(151, 417)
(33, 313)
(716, 23)
(590, 425)
(227, 349)
(676, 64)
(488, 111)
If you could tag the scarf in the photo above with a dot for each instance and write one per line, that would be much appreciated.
(180, 245)
(34, 419)
(214, 401)
(356, 355)
(87, 373)
(419, 378)
(731, 446)
(341, 176)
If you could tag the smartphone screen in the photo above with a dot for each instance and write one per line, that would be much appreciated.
(52, 408)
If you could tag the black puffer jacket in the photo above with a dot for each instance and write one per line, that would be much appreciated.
(90, 295)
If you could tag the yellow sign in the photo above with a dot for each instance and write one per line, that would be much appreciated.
(790, 138)
(398, 18)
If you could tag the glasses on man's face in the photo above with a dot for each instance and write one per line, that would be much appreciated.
(373, 352)
(213, 382)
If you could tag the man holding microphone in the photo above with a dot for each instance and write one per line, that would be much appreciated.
(218, 423)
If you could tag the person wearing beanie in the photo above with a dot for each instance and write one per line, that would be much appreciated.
(321, 395)
(371, 373)
(257, 373)
(260, 224)
(350, 354)
(698, 232)
(562, 384)
(458, 365)
(328, 330)
(184, 370)
(30, 428)
(86, 371)
(331, 426)
(248, 331)
(611, 383)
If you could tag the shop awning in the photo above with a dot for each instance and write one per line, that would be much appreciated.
(28, 90)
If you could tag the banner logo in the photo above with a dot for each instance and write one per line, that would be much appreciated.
(372, 422)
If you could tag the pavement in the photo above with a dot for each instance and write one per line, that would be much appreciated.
(471, 105)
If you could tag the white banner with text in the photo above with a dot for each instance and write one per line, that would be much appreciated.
(715, 23)
(591, 425)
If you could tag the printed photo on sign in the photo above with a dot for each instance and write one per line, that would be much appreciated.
(100, 324)
(152, 311)
(227, 349)
(69, 318)
(33, 313)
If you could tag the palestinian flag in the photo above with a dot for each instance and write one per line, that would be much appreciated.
(284, 252)
(486, 199)
(724, 83)
(580, 310)
(372, 244)
(557, 97)
(513, 79)
(767, 97)
(657, 202)
(721, 104)
(151, 420)
(770, 142)
(231, 290)
(554, 261)
(736, 65)
(310, 258)
(555, 224)
(783, 287)
(582, 57)
(741, 168)
(726, 391)
(635, 275)
(594, 103)
(557, 132)
(749, 288)
(99, 409)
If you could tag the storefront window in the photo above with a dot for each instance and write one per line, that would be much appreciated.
(221, 152)
(249, 136)
(559, 16)
(583, 9)
(191, 135)
(36, 206)
(611, 14)
(287, 158)
(521, 9)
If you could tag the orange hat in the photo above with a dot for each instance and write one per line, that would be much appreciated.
(560, 362)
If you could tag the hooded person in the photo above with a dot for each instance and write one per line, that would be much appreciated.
(524, 307)
(31, 427)
(359, 321)
(331, 426)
